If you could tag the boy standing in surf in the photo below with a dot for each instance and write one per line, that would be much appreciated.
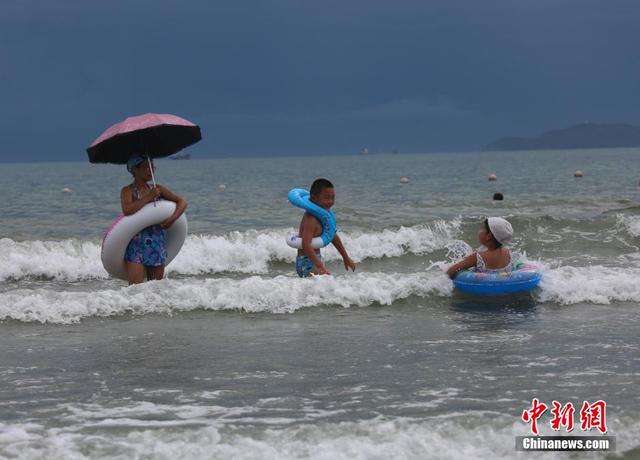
(309, 261)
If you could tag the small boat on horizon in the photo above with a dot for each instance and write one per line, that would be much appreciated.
(180, 156)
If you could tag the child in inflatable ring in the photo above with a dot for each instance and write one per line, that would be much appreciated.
(146, 253)
(309, 260)
(494, 232)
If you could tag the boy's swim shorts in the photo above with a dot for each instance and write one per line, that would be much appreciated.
(304, 266)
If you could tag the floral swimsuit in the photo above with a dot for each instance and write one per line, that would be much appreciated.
(149, 246)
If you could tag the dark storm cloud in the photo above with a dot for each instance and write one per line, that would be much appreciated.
(287, 77)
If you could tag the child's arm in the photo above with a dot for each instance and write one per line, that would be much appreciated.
(181, 205)
(348, 263)
(310, 226)
(467, 262)
(131, 207)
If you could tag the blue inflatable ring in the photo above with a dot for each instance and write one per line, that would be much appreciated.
(301, 199)
(523, 278)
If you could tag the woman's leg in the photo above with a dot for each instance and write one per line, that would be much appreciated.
(155, 273)
(135, 273)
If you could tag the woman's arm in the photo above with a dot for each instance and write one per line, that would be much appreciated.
(181, 205)
(467, 262)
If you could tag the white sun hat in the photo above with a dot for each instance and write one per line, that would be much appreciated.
(501, 229)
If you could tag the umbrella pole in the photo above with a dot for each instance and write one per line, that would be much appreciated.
(153, 177)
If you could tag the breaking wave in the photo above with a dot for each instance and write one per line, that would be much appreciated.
(248, 252)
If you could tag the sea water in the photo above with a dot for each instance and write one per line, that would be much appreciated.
(234, 356)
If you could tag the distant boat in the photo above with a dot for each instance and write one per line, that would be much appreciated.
(180, 156)
(364, 151)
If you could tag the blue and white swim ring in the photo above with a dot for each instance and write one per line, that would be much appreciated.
(524, 277)
(302, 199)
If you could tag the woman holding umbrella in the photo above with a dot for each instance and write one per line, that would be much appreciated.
(147, 251)
(154, 135)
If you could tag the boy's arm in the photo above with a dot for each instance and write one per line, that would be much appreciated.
(310, 226)
(348, 263)
(181, 205)
(467, 262)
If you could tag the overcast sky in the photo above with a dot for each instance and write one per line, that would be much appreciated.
(307, 77)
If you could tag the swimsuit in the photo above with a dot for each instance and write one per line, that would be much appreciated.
(304, 266)
(481, 266)
(149, 246)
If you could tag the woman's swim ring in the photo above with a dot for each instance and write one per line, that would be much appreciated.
(124, 228)
(301, 199)
(523, 278)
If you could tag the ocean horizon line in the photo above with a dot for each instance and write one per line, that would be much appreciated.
(357, 154)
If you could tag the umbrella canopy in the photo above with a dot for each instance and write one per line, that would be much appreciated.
(152, 134)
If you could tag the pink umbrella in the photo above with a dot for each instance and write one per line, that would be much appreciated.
(152, 135)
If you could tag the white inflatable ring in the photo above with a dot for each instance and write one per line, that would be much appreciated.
(295, 241)
(124, 228)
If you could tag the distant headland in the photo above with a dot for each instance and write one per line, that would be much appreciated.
(582, 136)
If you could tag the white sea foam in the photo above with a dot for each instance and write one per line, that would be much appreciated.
(451, 438)
(595, 284)
(242, 252)
(287, 294)
(69, 260)
(282, 294)
(630, 224)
